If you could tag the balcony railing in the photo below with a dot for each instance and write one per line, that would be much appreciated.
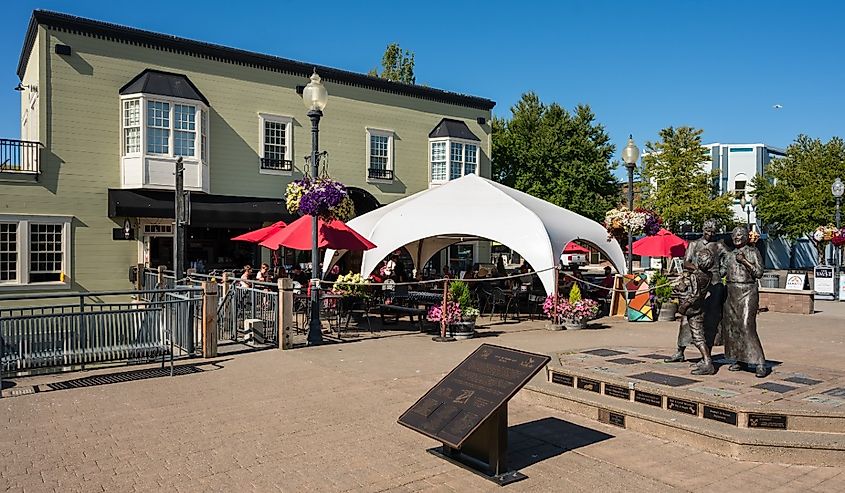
(20, 156)
(379, 174)
(276, 164)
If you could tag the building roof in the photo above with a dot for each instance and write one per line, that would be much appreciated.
(166, 42)
(452, 128)
(152, 81)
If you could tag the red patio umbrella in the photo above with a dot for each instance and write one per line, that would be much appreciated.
(573, 247)
(663, 244)
(260, 235)
(334, 234)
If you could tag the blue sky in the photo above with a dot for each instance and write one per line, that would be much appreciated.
(641, 65)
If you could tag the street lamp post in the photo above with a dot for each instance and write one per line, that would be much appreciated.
(630, 155)
(315, 96)
(751, 207)
(837, 189)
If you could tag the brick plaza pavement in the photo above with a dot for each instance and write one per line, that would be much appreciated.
(324, 419)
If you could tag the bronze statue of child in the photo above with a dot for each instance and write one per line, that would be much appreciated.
(692, 291)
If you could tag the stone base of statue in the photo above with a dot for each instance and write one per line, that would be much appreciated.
(796, 415)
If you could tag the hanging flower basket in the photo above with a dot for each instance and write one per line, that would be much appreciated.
(323, 197)
(640, 221)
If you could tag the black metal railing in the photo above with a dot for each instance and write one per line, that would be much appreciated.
(19, 156)
(276, 164)
(380, 174)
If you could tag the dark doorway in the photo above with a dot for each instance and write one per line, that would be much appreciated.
(161, 251)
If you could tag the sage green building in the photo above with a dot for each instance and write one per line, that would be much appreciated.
(106, 110)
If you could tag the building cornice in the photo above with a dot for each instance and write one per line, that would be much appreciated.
(175, 44)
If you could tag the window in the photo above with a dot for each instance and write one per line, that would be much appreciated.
(204, 130)
(131, 126)
(740, 182)
(8, 252)
(379, 154)
(33, 249)
(438, 161)
(276, 144)
(158, 127)
(184, 130)
(463, 160)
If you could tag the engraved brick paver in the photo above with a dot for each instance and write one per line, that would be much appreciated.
(324, 419)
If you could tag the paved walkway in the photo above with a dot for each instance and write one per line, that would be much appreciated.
(324, 419)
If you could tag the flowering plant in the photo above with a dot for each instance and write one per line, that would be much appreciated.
(323, 197)
(825, 233)
(639, 221)
(839, 239)
(351, 285)
(452, 313)
(565, 309)
(469, 313)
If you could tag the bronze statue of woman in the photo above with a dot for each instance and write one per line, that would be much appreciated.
(739, 318)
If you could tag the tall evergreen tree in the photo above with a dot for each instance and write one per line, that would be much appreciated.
(558, 156)
(676, 185)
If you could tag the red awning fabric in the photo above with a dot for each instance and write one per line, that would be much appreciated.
(573, 247)
(334, 234)
(663, 244)
(260, 235)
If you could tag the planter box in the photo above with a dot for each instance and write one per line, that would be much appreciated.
(787, 300)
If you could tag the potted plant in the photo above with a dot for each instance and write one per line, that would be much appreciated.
(572, 313)
(465, 327)
(667, 307)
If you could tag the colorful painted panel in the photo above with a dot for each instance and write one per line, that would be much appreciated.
(639, 298)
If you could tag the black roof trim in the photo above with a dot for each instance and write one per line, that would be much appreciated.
(201, 49)
(449, 127)
(152, 81)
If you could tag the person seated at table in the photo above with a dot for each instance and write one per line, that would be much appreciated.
(299, 276)
(333, 274)
(263, 273)
(245, 277)
(606, 283)
(446, 273)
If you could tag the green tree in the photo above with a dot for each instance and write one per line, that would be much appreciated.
(793, 196)
(558, 156)
(396, 65)
(676, 185)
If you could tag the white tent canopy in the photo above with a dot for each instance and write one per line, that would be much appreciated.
(468, 207)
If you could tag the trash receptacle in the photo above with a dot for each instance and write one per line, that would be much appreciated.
(770, 281)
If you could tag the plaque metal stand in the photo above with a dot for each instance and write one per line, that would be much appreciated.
(485, 451)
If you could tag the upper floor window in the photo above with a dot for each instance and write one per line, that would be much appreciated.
(740, 185)
(379, 154)
(462, 159)
(132, 126)
(276, 144)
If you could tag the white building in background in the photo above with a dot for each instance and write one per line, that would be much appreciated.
(738, 164)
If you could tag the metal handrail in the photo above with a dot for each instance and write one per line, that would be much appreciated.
(43, 296)
(20, 156)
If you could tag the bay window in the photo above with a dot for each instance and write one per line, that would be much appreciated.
(462, 159)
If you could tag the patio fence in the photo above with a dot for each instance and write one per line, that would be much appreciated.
(70, 331)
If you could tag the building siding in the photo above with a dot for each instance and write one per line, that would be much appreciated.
(80, 127)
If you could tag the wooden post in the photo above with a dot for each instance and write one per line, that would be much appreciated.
(139, 281)
(225, 284)
(209, 319)
(160, 278)
(285, 318)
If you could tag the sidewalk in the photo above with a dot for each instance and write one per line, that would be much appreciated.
(324, 419)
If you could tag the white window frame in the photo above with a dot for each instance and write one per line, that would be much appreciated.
(124, 126)
(201, 118)
(287, 121)
(449, 141)
(379, 132)
(23, 249)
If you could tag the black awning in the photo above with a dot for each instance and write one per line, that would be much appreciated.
(206, 210)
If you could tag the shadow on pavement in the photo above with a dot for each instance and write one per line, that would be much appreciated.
(134, 375)
(536, 441)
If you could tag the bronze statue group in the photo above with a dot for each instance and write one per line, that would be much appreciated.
(715, 314)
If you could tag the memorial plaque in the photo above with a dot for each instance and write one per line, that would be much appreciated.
(721, 415)
(803, 380)
(648, 398)
(682, 406)
(611, 418)
(603, 352)
(840, 392)
(617, 391)
(587, 384)
(663, 379)
(654, 356)
(775, 387)
(771, 421)
(471, 392)
(625, 361)
(563, 379)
